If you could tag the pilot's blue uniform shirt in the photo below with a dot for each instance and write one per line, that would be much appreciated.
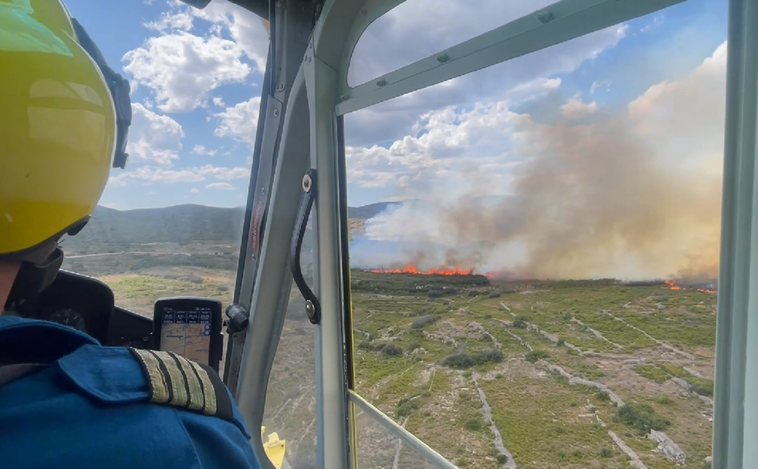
(90, 409)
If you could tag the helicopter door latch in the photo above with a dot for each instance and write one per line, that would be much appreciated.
(312, 306)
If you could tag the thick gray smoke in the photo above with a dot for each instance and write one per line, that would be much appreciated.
(635, 194)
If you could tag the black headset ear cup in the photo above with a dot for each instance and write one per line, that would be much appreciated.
(120, 92)
(34, 278)
(75, 229)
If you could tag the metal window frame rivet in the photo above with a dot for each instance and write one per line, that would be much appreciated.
(307, 183)
(545, 17)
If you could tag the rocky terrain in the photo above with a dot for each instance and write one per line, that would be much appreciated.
(536, 376)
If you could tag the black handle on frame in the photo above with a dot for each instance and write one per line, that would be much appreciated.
(312, 306)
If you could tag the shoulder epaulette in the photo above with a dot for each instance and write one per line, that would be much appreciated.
(182, 383)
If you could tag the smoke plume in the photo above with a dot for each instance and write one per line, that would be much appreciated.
(629, 194)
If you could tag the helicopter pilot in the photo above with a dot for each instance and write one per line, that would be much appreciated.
(66, 401)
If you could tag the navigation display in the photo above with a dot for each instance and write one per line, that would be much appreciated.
(187, 333)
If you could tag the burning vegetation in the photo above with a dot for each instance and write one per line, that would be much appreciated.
(415, 279)
(708, 289)
(413, 270)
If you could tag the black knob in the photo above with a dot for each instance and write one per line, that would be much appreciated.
(238, 318)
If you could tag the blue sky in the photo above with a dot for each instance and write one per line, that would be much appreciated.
(198, 75)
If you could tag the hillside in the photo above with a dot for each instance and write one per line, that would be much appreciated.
(369, 211)
(112, 230)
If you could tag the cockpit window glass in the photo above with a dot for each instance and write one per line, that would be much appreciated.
(395, 39)
(534, 249)
(291, 393)
(170, 223)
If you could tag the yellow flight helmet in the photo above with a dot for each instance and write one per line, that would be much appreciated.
(64, 116)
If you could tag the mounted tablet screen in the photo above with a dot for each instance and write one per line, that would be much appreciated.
(190, 327)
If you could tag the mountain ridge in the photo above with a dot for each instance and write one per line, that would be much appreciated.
(111, 230)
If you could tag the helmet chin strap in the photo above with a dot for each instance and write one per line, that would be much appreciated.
(32, 278)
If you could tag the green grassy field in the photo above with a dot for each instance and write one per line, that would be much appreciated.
(405, 341)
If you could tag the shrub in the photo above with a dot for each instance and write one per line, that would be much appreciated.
(641, 417)
(369, 345)
(491, 355)
(606, 453)
(502, 459)
(602, 395)
(423, 321)
(473, 293)
(652, 372)
(463, 361)
(664, 399)
(459, 361)
(392, 350)
(416, 333)
(703, 387)
(494, 295)
(435, 294)
(405, 407)
(561, 343)
(473, 425)
(519, 323)
(535, 355)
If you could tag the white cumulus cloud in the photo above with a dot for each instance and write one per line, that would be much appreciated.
(149, 175)
(239, 121)
(221, 186)
(203, 151)
(181, 69)
(245, 28)
(575, 108)
(153, 138)
(476, 142)
(171, 20)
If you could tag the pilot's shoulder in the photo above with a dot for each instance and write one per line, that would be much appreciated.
(119, 375)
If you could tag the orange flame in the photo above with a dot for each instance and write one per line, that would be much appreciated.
(411, 269)
(673, 286)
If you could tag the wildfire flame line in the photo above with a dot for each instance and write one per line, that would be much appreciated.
(413, 270)
(671, 284)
